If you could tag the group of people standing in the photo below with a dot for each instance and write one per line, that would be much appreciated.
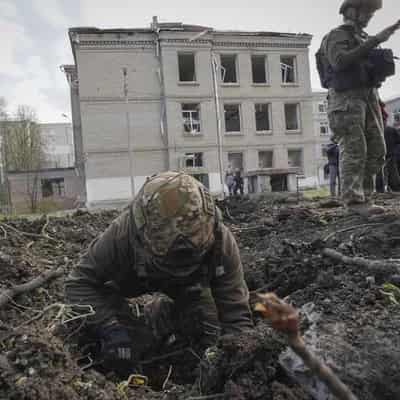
(234, 181)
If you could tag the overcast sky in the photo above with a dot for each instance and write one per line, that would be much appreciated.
(34, 42)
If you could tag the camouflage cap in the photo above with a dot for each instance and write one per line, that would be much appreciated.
(175, 210)
(370, 5)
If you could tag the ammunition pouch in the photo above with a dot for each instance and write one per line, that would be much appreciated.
(380, 65)
(368, 73)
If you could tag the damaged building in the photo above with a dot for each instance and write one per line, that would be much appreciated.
(191, 98)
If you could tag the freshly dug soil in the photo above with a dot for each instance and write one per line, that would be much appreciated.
(281, 242)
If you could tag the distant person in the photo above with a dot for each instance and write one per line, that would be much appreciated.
(389, 177)
(230, 180)
(238, 182)
(332, 152)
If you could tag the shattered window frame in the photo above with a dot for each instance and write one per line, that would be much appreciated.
(269, 157)
(288, 69)
(299, 157)
(292, 128)
(257, 115)
(181, 72)
(324, 128)
(254, 66)
(194, 160)
(322, 107)
(191, 116)
(233, 157)
(229, 125)
(225, 75)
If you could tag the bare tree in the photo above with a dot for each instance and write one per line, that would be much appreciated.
(25, 150)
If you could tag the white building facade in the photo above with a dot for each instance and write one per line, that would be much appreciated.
(189, 98)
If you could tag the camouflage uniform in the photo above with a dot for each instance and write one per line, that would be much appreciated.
(143, 251)
(354, 116)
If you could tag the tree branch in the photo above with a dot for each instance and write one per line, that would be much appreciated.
(9, 294)
(377, 266)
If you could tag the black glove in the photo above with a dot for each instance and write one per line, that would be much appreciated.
(159, 315)
(116, 346)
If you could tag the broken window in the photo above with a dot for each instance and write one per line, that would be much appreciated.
(228, 68)
(236, 160)
(53, 186)
(265, 159)
(288, 69)
(324, 128)
(193, 160)
(262, 113)
(295, 158)
(232, 117)
(187, 69)
(322, 107)
(259, 70)
(292, 117)
(191, 118)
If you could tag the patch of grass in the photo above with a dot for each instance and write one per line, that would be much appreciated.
(316, 193)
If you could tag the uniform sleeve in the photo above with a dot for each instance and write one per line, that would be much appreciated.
(229, 289)
(339, 53)
(103, 262)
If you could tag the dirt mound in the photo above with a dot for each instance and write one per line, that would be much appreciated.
(282, 244)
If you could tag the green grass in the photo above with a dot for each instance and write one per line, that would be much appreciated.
(316, 193)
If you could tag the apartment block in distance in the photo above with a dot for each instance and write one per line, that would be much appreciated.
(190, 98)
(322, 134)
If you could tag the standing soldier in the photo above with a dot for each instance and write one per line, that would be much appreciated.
(352, 69)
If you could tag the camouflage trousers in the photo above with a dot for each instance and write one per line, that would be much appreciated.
(355, 119)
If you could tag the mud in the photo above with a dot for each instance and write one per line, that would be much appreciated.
(281, 242)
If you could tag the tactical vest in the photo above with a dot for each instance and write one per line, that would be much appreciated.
(370, 72)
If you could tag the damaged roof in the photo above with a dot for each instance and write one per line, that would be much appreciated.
(180, 27)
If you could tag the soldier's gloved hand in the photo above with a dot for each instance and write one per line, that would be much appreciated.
(159, 315)
(116, 346)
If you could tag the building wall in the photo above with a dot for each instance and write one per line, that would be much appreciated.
(18, 186)
(130, 100)
(321, 139)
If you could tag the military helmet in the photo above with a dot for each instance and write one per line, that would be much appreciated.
(371, 5)
(175, 215)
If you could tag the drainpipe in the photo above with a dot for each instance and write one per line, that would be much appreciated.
(163, 99)
(128, 132)
(215, 69)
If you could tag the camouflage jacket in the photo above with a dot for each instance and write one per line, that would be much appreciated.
(115, 267)
(345, 46)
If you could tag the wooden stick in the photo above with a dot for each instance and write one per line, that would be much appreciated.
(9, 294)
(373, 265)
(285, 318)
(319, 368)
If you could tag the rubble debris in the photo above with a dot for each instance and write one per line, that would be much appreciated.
(281, 243)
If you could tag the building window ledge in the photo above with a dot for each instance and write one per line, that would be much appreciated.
(295, 84)
(236, 84)
(194, 83)
(294, 132)
(261, 84)
(197, 134)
